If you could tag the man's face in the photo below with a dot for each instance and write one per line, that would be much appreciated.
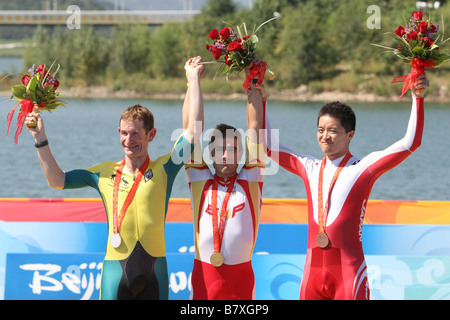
(134, 139)
(332, 137)
(225, 155)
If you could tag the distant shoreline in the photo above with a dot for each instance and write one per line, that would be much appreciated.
(295, 95)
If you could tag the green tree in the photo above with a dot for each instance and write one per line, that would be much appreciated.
(218, 8)
(168, 52)
(268, 35)
(303, 49)
(131, 49)
(38, 53)
(310, 41)
(90, 55)
(82, 54)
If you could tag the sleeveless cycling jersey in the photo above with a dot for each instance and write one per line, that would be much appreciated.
(234, 279)
(339, 270)
(138, 267)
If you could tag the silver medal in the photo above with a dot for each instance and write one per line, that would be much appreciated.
(115, 240)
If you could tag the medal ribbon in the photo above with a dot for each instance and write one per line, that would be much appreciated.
(323, 212)
(117, 219)
(218, 229)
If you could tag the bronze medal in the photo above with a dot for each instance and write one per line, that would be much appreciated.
(216, 259)
(322, 240)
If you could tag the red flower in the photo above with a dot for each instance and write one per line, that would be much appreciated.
(433, 28)
(412, 35)
(214, 34)
(246, 37)
(54, 82)
(25, 79)
(39, 70)
(228, 62)
(400, 31)
(216, 53)
(234, 46)
(423, 27)
(429, 42)
(225, 33)
(417, 15)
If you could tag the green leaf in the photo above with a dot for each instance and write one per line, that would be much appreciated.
(381, 46)
(19, 91)
(434, 46)
(253, 39)
(31, 88)
(418, 51)
(267, 21)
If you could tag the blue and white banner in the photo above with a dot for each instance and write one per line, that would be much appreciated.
(277, 276)
(62, 260)
(46, 276)
(53, 276)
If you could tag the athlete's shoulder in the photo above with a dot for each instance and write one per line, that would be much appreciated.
(354, 161)
(104, 166)
(196, 160)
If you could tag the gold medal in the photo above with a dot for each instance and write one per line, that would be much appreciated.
(322, 240)
(216, 259)
(218, 230)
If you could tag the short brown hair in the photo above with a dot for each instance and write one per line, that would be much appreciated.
(226, 131)
(138, 112)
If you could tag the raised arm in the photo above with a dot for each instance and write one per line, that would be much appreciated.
(413, 137)
(55, 176)
(420, 86)
(282, 155)
(381, 161)
(255, 110)
(193, 113)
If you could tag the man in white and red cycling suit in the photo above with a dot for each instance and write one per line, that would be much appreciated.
(335, 267)
(226, 205)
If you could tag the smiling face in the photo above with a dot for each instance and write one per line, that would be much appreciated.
(332, 137)
(134, 138)
(136, 129)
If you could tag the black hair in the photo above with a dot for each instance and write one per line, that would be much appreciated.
(339, 111)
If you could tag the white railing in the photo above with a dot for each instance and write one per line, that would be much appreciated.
(95, 17)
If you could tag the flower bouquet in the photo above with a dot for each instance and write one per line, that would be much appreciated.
(36, 93)
(238, 51)
(418, 47)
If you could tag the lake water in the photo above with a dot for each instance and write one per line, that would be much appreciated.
(84, 133)
(10, 65)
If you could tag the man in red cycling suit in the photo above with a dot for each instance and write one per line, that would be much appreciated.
(338, 187)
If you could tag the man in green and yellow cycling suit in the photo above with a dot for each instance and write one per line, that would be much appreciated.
(135, 194)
